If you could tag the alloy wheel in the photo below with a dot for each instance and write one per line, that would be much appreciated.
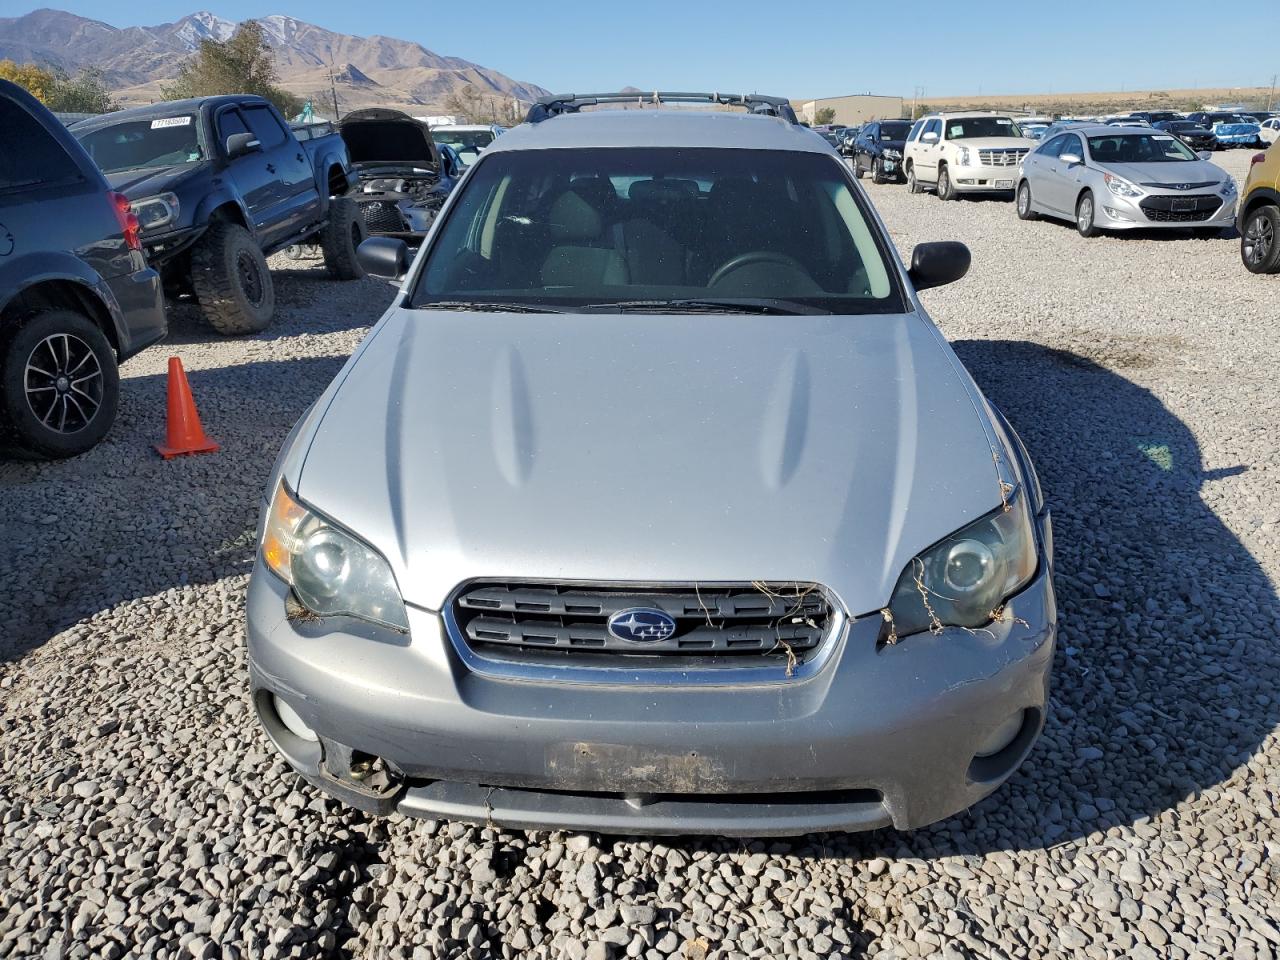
(1259, 237)
(1084, 216)
(62, 382)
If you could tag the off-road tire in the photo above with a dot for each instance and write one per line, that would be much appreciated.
(1260, 239)
(231, 280)
(946, 189)
(343, 232)
(95, 377)
(1025, 210)
(877, 171)
(913, 184)
(1087, 217)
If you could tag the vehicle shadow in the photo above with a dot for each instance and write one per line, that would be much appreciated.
(1164, 681)
(82, 535)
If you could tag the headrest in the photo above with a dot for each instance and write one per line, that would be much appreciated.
(572, 218)
(662, 191)
(597, 191)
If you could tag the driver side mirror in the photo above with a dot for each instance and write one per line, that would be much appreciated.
(384, 257)
(1071, 159)
(937, 264)
(1205, 155)
(930, 137)
(240, 144)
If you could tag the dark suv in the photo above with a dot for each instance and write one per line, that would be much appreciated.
(76, 294)
(878, 150)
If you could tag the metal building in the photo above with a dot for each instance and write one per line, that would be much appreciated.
(856, 108)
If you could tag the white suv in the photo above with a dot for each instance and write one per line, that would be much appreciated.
(964, 153)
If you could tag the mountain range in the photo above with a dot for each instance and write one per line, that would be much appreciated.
(368, 71)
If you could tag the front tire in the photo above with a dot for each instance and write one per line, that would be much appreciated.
(231, 280)
(877, 171)
(913, 185)
(946, 189)
(1086, 215)
(343, 232)
(1260, 240)
(59, 385)
(1025, 210)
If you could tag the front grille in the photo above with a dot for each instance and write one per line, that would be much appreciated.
(541, 621)
(1004, 157)
(382, 216)
(1181, 186)
(1160, 209)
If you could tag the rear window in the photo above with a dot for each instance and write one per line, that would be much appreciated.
(591, 227)
(29, 155)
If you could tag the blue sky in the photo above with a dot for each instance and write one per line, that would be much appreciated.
(796, 48)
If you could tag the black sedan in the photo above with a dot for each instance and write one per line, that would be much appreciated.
(878, 150)
(1189, 132)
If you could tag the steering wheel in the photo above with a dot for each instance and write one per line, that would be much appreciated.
(753, 257)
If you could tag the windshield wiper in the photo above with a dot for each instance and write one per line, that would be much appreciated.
(765, 305)
(484, 306)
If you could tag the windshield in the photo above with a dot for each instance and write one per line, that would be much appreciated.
(894, 131)
(966, 128)
(587, 228)
(1139, 148)
(153, 142)
(468, 143)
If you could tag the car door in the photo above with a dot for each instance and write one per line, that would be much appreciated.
(862, 147)
(929, 150)
(295, 201)
(249, 171)
(1040, 167)
(1064, 184)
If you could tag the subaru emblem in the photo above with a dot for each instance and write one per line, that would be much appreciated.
(642, 625)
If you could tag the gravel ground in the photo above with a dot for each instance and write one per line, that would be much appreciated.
(143, 814)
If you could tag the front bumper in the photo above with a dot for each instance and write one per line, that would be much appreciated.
(983, 178)
(1125, 213)
(877, 737)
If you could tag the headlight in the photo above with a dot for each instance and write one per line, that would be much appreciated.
(1121, 188)
(965, 580)
(156, 212)
(964, 156)
(893, 154)
(1228, 188)
(331, 572)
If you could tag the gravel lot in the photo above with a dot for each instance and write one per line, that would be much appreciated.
(144, 814)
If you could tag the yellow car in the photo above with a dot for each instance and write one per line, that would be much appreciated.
(1259, 216)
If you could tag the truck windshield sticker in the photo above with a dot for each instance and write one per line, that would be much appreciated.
(170, 122)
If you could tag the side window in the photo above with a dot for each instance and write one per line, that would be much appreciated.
(230, 122)
(265, 126)
(933, 126)
(915, 130)
(1053, 147)
(29, 155)
(1073, 144)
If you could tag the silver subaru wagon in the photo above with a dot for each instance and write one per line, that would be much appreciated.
(655, 503)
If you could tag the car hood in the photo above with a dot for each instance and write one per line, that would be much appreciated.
(380, 136)
(1197, 171)
(898, 145)
(652, 448)
(148, 181)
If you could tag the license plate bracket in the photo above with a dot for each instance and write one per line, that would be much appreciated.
(1182, 204)
(1004, 184)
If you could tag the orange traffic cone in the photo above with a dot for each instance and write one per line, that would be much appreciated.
(185, 434)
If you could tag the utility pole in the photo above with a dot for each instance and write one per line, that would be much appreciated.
(1271, 93)
(916, 94)
(333, 90)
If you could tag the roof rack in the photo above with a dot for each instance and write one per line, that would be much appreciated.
(558, 104)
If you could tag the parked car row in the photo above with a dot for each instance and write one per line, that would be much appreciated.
(192, 197)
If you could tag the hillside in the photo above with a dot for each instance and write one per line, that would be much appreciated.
(369, 71)
(1103, 103)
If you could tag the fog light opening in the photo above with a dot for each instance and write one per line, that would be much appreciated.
(1115, 214)
(293, 723)
(1002, 735)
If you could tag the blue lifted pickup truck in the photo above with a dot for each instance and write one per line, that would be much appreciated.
(219, 184)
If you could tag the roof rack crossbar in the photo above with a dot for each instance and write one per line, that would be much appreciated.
(558, 104)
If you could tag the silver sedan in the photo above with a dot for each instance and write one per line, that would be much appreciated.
(1124, 178)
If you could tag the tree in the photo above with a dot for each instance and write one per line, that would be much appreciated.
(241, 64)
(470, 105)
(35, 80)
(824, 116)
(86, 92)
